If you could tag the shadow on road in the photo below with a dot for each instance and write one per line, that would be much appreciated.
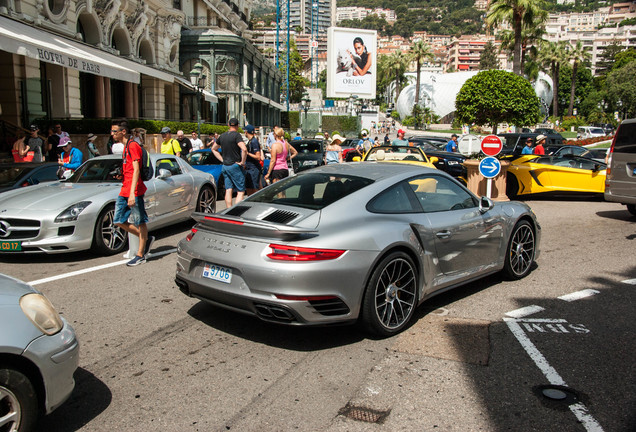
(89, 399)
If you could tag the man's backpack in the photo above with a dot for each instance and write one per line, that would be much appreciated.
(146, 166)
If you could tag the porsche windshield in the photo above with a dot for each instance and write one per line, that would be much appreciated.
(97, 171)
(313, 191)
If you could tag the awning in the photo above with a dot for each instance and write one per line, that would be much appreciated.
(22, 39)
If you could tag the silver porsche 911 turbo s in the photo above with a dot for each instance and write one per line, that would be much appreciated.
(77, 214)
(347, 242)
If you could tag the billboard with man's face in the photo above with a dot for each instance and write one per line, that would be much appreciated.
(351, 62)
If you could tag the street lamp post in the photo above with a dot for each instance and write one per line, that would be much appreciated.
(305, 102)
(197, 79)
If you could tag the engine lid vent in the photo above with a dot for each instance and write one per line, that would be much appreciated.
(280, 216)
(237, 210)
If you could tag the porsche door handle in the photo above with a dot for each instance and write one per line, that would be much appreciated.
(443, 234)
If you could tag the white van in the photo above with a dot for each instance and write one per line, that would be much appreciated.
(589, 132)
(620, 183)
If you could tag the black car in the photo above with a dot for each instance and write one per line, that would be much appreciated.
(437, 142)
(17, 175)
(452, 163)
(546, 131)
(311, 153)
(513, 143)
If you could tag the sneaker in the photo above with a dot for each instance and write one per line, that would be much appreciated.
(149, 243)
(136, 261)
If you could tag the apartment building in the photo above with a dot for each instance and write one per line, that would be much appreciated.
(465, 52)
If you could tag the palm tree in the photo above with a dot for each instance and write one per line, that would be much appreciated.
(418, 52)
(577, 54)
(520, 14)
(551, 55)
(398, 61)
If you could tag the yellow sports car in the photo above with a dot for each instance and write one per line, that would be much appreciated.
(533, 174)
(399, 154)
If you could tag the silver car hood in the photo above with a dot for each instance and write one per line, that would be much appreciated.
(53, 196)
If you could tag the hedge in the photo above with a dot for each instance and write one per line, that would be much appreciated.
(102, 126)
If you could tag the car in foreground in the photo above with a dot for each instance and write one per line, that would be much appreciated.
(19, 175)
(311, 153)
(361, 242)
(77, 214)
(399, 154)
(620, 185)
(39, 354)
(568, 174)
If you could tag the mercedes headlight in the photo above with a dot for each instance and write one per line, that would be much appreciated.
(452, 162)
(41, 313)
(72, 212)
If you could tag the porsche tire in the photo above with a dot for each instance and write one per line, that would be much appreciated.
(520, 251)
(390, 296)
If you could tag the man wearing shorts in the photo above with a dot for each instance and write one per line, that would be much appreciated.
(130, 202)
(233, 158)
(253, 162)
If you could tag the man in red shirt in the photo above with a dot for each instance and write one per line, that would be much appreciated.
(130, 202)
(539, 149)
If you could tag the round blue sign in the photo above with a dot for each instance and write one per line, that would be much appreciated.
(489, 167)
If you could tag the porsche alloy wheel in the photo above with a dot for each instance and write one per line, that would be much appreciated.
(109, 239)
(207, 201)
(520, 252)
(391, 295)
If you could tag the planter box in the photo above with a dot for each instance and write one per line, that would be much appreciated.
(477, 183)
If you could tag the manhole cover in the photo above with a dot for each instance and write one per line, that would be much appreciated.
(364, 414)
(557, 396)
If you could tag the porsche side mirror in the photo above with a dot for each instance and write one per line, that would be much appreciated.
(485, 204)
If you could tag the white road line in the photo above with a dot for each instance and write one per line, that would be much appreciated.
(524, 311)
(96, 268)
(630, 281)
(579, 410)
(578, 295)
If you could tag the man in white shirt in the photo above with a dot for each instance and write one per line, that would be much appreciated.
(196, 142)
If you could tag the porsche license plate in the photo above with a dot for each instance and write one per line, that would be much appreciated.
(10, 246)
(217, 273)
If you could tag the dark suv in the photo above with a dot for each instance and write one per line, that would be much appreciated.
(620, 183)
(514, 142)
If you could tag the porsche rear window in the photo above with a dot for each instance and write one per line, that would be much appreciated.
(311, 190)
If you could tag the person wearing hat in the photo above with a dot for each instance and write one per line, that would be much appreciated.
(365, 144)
(234, 154)
(333, 152)
(35, 144)
(71, 157)
(253, 167)
(169, 145)
(400, 141)
(539, 149)
(527, 150)
(451, 146)
(90, 145)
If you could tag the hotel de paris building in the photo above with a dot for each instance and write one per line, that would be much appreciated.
(86, 59)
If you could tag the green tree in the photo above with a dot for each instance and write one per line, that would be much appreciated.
(488, 58)
(496, 96)
(419, 51)
(578, 55)
(621, 89)
(297, 82)
(398, 62)
(519, 14)
(607, 58)
(585, 84)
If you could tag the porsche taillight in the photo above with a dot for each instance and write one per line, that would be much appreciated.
(191, 234)
(295, 253)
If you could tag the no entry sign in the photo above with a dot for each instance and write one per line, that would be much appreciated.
(491, 145)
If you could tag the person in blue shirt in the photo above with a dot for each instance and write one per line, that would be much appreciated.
(365, 144)
(451, 146)
(528, 148)
(71, 157)
(297, 137)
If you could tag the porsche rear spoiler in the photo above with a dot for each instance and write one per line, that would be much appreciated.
(237, 225)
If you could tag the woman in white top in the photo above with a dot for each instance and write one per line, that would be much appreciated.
(334, 151)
